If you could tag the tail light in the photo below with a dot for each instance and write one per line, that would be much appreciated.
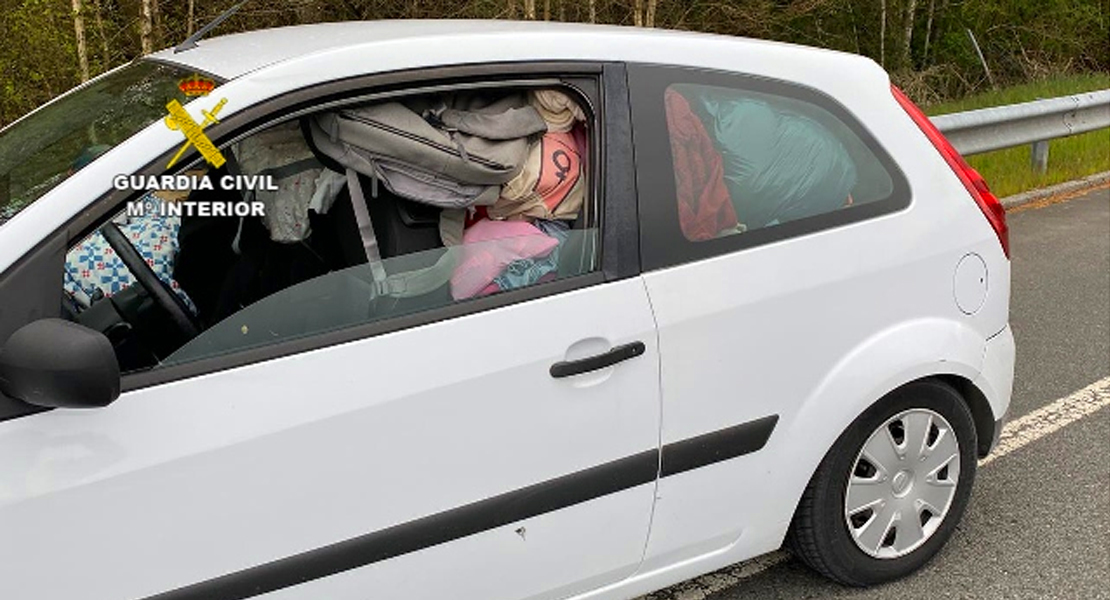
(972, 180)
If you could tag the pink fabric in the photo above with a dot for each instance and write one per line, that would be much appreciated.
(488, 247)
(560, 168)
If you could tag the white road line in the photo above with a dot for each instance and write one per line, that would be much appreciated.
(1016, 434)
(1050, 418)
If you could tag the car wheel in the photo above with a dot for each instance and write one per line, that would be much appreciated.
(892, 489)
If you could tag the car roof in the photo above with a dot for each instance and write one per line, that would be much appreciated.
(232, 56)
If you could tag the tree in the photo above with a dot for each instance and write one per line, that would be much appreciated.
(882, 35)
(105, 53)
(905, 58)
(48, 46)
(146, 27)
(155, 24)
(928, 31)
(79, 32)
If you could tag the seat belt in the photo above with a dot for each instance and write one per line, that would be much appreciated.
(400, 285)
(365, 227)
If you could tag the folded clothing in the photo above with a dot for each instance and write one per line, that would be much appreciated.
(93, 269)
(282, 153)
(557, 109)
(491, 246)
(524, 272)
(550, 186)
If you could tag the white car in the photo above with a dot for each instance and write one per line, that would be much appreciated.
(777, 313)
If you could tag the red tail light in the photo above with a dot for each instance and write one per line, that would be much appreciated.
(971, 178)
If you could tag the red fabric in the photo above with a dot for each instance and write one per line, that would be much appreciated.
(479, 214)
(704, 205)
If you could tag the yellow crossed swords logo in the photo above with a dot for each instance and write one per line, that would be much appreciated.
(179, 119)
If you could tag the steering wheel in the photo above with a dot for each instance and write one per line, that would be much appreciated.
(157, 289)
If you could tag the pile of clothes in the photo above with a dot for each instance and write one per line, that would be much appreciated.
(515, 242)
(742, 162)
(507, 170)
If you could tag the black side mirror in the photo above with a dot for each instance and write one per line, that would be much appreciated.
(56, 363)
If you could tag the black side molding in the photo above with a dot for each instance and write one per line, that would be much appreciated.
(723, 444)
(439, 528)
(566, 368)
(544, 497)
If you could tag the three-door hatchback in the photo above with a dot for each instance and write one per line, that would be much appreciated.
(487, 311)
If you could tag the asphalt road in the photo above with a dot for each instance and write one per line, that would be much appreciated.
(1038, 526)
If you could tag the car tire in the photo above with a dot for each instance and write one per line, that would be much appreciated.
(857, 546)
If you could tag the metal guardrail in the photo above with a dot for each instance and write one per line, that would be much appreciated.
(1037, 122)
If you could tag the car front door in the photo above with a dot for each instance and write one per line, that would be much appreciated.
(501, 447)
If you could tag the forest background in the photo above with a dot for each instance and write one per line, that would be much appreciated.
(49, 46)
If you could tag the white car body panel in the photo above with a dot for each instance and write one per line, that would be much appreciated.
(305, 451)
(876, 299)
(996, 379)
(863, 308)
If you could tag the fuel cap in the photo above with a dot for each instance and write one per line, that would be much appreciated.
(971, 283)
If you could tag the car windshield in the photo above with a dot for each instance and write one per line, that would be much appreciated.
(41, 150)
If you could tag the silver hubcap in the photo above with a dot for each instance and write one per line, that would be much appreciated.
(902, 484)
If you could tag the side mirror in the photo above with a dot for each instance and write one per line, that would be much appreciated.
(56, 363)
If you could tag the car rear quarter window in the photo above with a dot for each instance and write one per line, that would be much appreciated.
(727, 162)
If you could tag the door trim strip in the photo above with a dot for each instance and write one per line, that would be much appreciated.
(511, 507)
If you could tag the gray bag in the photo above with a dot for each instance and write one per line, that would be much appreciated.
(433, 152)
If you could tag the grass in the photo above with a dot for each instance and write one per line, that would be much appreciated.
(1009, 171)
(1062, 85)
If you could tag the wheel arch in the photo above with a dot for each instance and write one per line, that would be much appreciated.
(980, 407)
(974, 398)
(930, 348)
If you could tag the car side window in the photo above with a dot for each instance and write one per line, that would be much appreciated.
(347, 217)
(746, 160)
(750, 161)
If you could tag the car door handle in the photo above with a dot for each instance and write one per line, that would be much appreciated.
(566, 368)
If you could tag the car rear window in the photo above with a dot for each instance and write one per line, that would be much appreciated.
(746, 160)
